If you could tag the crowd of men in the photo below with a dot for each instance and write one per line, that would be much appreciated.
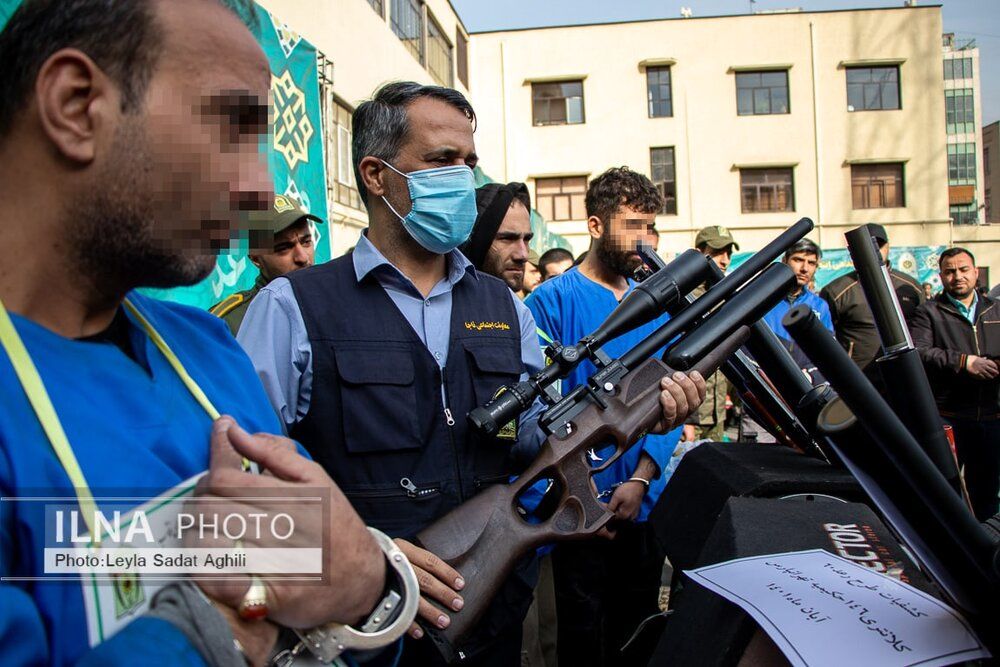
(354, 376)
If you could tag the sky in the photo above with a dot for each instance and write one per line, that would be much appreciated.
(978, 19)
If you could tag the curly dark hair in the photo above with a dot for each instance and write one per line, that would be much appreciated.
(620, 186)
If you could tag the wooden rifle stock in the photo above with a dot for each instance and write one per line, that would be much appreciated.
(484, 537)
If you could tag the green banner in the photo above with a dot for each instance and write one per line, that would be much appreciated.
(921, 262)
(295, 156)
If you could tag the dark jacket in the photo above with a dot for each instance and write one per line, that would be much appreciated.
(945, 339)
(852, 318)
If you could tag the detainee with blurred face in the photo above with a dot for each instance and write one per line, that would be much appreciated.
(130, 149)
(604, 589)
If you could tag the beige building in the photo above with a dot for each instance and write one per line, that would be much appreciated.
(747, 121)
(365, 43)
(991, 172)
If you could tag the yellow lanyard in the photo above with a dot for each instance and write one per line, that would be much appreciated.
(34, 388)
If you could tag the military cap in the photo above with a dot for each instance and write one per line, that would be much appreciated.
(284, 213)
(715, 236)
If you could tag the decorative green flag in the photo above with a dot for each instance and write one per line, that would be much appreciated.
(295, 153)
(295, 157)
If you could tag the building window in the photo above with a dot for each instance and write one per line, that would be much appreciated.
(661, 161)
(961, 164)
(986, 160)
(761, 93)
(378, 7)
(966, 214)
(877, 185)
(561, 198)
(960, 113)
(658, 92)
(989, 206)
(872, 88)
(767, 190)
(957, 68)
(439, 58)
(462, 52)
(558, 103)
(337, 136)
(408, 23)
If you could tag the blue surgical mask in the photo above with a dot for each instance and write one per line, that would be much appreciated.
(442, 209)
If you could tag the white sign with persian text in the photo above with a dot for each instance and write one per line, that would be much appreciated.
(821, 609)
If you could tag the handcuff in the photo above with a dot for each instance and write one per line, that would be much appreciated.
(607, 493)
(389, 621)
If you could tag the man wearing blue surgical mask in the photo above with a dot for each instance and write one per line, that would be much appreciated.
(374, 359)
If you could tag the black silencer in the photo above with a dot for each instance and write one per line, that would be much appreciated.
(750, 304)
(926, 495)
(651, 298)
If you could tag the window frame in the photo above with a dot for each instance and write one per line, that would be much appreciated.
(397, 28)
(537, 99)
(873, 83)
(650, 102)
(462, 57)
(761, 87)
(869, 180)
(449, 51)
(790, 198)
(951, 110)
(378, 6)
(963, 170)
(546, 202)
(669, 205)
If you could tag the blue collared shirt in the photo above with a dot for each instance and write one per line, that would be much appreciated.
(274, 335)
(968, 312)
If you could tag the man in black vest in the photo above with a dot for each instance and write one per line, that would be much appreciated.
(373, 360)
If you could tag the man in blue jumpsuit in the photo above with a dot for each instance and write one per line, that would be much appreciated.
(121, 169)
(603, 590)
(803, 258)
(374, 360)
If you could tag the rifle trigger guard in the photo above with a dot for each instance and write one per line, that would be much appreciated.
(390, 620)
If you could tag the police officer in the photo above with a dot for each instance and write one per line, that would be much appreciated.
(852, 318)
(374, 359)
(709, 422)
(281, 241)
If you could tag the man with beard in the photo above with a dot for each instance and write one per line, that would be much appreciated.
(498, 245)
(119, 169)
(374, 359)
(958, 336)
(604, 589)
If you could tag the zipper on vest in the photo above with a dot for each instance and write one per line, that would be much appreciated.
(414, 491)
(480, 482)
(407, 487)
(450, 421)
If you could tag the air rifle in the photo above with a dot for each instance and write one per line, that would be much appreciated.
(485, 536)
